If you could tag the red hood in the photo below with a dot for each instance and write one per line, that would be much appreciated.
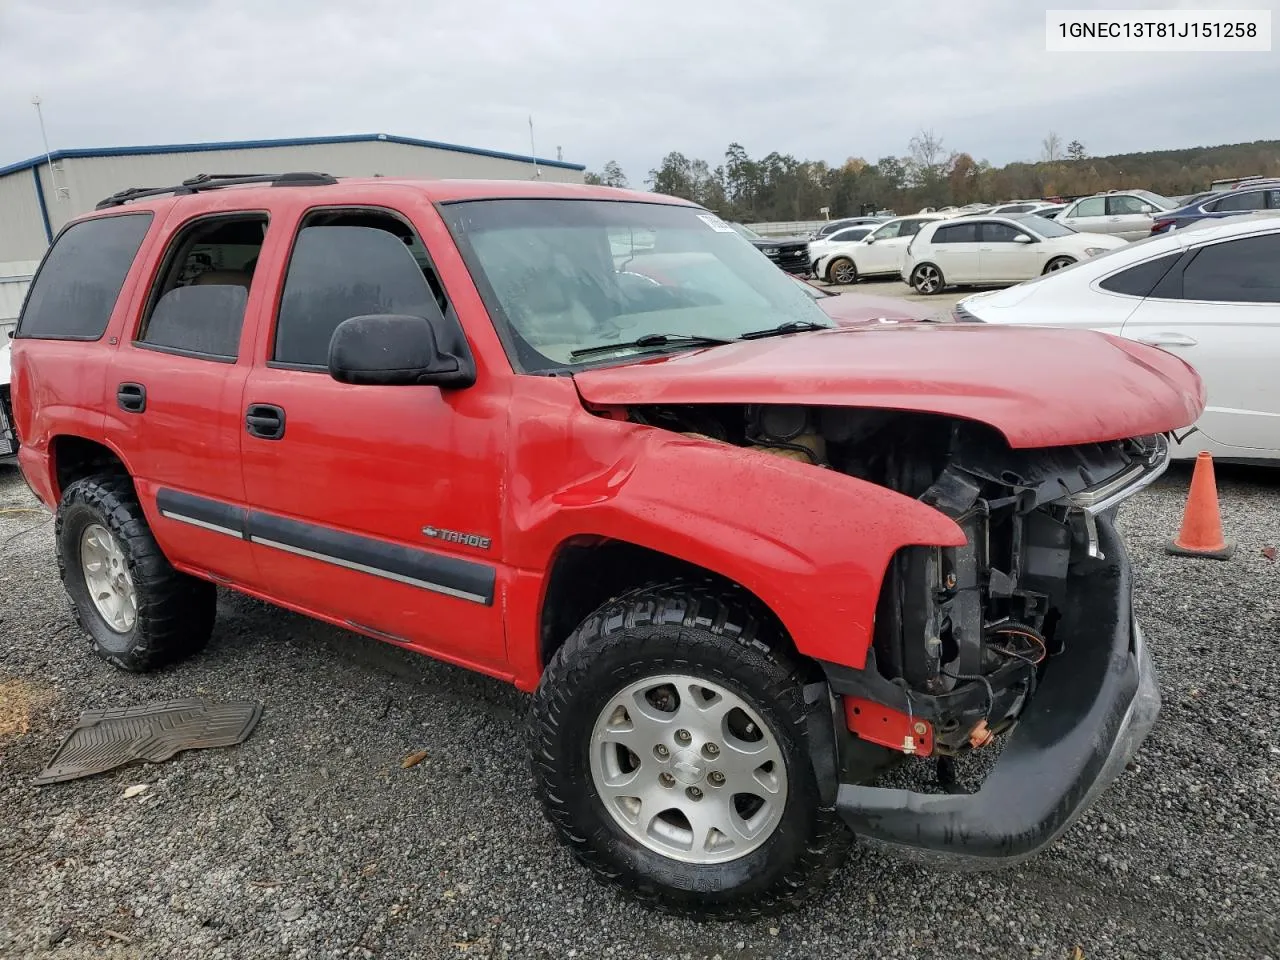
(1038, 386)
(848, 309)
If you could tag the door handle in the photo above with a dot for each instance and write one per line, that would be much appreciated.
(264, 421)
(1114, 219)
(131, 397)
(1168, 340)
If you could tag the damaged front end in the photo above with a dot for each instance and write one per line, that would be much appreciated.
(1024, 634)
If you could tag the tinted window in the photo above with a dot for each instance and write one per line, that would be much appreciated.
(341, 270)
(1140, 279)
(1046, 228)
(911, 227)
(957, 233)
(999, 233)
(80, 280)
(1124, 205)
(1093, 207)
(1242, 271)
(1245, 200)
(888, 231)
(197, 302)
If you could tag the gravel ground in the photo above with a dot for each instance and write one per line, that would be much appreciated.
(310, 840)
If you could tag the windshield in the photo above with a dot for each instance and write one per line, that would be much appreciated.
(1046, 228)
(559, 276)
(1164, 203)
(746, 232)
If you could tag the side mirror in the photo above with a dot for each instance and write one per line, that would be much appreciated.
(1023, 238)
(394, 350)
(869, 240)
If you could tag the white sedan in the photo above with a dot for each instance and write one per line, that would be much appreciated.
(984, 249)
(1209, 293)
(823, 253)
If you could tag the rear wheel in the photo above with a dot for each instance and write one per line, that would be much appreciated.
(140, 613)
(927, 279)
(1057, 263)
(842, 270)
(670, 751)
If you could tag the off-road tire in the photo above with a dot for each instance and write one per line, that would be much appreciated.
(719, 634)
(842, 262)
(175, 611)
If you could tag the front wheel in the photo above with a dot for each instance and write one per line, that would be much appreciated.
(1057, 263)
(927, 279)
(842, 270)
(670, 752)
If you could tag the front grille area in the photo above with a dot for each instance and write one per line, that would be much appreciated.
(794, 258)
(8, 439)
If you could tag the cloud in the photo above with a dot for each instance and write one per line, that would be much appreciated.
(820, 79)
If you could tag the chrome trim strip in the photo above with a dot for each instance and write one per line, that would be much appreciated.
(362, 568)
(1115, 489)
(203, 524)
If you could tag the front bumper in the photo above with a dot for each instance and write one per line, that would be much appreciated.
(1095, 705)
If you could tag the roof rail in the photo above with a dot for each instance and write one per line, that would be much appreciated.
(215, 181)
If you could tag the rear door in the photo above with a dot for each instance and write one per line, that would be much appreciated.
(1088, 216)
(956, 252)
(174, 390)
(377, 507)
(1221, 313)
(1005, 257)
(887, 247)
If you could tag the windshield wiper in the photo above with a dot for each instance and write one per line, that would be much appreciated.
(649, 340)
(791, 326)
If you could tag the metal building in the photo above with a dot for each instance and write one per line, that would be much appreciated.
(39, 195)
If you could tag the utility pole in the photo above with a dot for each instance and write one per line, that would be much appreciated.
(533, 151)
(48, 155)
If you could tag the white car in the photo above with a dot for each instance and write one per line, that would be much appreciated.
(880, 253)
(8, 440)
(823, 253)
(1209, 293)
(1122, 213)
(986, 249)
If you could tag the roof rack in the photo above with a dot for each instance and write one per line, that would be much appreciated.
(215, 181)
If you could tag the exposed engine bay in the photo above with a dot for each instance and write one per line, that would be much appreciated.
(962, 634)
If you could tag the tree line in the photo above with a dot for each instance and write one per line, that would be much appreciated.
(780, 187)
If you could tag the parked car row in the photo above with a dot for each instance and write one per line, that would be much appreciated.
(1208, 292)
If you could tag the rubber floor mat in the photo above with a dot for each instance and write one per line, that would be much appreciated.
(103, 740)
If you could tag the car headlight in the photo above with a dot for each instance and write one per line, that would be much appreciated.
(769, 251)
(1094, 251)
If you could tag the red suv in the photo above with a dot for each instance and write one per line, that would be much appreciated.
(593, 443)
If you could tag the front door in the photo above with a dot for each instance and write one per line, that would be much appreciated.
(1008, 253)
(1129, 217)
(1088, 216)
(374, 506)
(174, 393)
(1225, 322)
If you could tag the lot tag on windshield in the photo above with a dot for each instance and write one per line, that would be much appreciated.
(715, 223)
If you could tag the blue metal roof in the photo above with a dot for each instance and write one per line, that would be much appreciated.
(292, 142)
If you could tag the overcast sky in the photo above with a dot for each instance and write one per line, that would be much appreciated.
(820, 79)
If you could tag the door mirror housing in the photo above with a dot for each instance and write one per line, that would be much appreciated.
(1023, 238)
(395, 350)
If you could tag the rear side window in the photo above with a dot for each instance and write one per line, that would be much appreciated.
(1237, 271)
(80, 280)
(1250, 200)
(957, 233)
(1140, 279)
(1093, 207)
(350, 265)
(197, 304)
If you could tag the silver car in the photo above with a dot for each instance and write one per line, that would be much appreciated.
(1122, 213)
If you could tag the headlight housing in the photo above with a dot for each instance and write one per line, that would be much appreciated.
(1094, 251)
(769, 251)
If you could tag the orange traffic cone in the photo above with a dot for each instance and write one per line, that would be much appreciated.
(1201, 533)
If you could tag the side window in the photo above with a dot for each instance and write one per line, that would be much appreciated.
(197, 303)
(1124, 205)
(1273, 199)
(348, 264)
(1236, 271)
(852, 233)
(1092, 207)
(999, 233)
(1140, 279)
(911, 227)
(888, 231)
(957, 233)
(79, 281)
(1248, 200)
